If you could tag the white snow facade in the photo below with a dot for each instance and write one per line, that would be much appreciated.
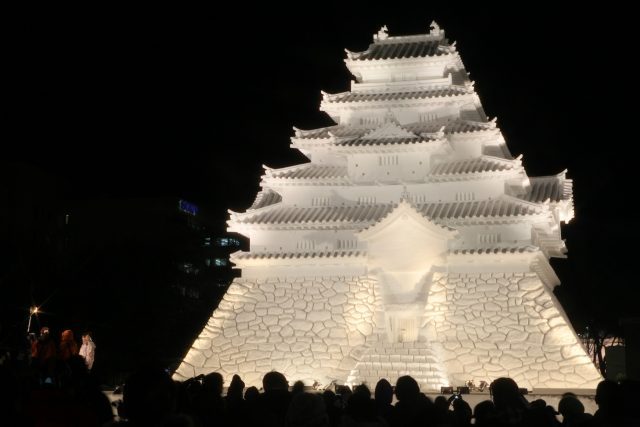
(412, 243)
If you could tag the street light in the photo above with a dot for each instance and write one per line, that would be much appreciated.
(32, 310)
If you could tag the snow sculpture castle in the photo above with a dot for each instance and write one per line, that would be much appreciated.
(412, 243)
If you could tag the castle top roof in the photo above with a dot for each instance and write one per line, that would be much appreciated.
(400, 47)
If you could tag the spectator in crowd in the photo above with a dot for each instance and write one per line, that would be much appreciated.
(68, 346)
(572, 411)
(384, 397)
(306, 410)
(88, 350)
(509, 403)
(44, 355)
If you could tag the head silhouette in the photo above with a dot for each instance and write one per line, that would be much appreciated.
(274, 380)
(384, 392)
(407, 389)
(607, 395)
(570, 407)
(484, 412)
(212, 383)
(505, 393)
(148, 396)
(298, 387)
(251, 394)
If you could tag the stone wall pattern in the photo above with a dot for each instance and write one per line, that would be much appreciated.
(501, 324)
(310, 329)
(474, 327)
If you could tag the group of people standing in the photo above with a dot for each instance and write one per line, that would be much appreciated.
(45, 353)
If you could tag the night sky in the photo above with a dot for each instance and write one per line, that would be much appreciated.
(122, 102)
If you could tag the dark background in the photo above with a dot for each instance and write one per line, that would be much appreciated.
(106, 103)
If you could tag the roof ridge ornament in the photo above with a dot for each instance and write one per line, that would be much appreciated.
(435, 29)
(351, 55)
(563, 174)
(382, 34)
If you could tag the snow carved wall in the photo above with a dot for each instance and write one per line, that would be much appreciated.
(310, 329)
(477, 326)
(403, 199)
(493, 325)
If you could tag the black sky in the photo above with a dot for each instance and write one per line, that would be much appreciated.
(138, 102)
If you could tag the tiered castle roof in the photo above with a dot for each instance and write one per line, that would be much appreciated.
(411, 237)
(401, 48)
(454, 126)
(381, 96)
(357, 215)
(405, 47)
(384, 128)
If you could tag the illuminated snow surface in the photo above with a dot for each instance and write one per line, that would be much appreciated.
(412, 243)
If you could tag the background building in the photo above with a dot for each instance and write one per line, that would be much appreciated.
(143, 274)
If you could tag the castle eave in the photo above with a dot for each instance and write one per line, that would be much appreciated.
(473, 166)
(376, 97)
(504, 208)
(494, 250)
(553, 188)
(241, 256)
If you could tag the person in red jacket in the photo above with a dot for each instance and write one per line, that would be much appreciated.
(43, 353)
(68, 346)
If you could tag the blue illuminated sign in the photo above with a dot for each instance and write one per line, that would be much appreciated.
(187, 207)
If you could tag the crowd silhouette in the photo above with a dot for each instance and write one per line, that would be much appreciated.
(61, 391)
(151, 398)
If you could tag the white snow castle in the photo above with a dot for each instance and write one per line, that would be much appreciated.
(412, 243)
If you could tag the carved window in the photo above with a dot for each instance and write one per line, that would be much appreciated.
(320, 201)
(419, 198)
(465, 196)
(366, 200)
(488, 238)
(427, 117)
(388, 160)
(306, 245)
(347, 244)
(370, 120)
